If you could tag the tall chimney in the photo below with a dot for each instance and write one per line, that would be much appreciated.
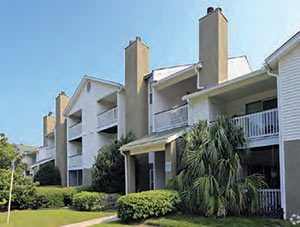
(48, 126)
(213, 47)
(136, 67)
(61, 102)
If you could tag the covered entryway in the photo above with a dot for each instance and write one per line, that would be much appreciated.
(150, 162)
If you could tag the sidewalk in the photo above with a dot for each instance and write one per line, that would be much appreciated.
(93, 221)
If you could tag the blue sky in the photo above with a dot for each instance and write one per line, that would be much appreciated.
(47, 46)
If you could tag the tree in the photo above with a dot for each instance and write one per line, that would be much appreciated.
(48, 174)
(210, 177)
(109, 171)
(23, 188)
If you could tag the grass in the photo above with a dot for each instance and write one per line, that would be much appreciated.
(48, 218)
(196, 221)
(180, 220)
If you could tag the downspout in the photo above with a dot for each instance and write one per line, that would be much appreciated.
(281, 145)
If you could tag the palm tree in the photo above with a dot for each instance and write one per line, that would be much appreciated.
(210, 173)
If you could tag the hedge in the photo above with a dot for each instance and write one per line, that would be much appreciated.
(94, 201)
(147, 204)
(54, 197)
(88, 201)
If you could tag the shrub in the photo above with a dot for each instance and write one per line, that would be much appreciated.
(88, 201)
(48, 174)
(84, 188)
(54, 197)
(23, 188)
(147, 204)
(108, 171)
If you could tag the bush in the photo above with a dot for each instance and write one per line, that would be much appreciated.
(48, 174)
(147, 204)
(24, 190)
(54, 197)
(84, 188)
(88, 201)
(94, 201)
(108, 171)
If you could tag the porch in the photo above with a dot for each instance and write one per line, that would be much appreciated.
(150, 162)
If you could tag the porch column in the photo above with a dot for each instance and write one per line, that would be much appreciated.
(130, 173)
(170, 161)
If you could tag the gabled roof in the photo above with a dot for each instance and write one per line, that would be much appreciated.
(25, 149)
(237, 66)
(81, 86)
(285, 48)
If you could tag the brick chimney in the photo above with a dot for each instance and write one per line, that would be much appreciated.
(48, 126)
(136, 91)
(213, 47)
(61, 102)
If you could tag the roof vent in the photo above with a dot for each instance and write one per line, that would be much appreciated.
(210, 10)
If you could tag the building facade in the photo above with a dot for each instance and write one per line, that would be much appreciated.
(158, 106)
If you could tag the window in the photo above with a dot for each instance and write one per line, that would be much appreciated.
(261, 105)
(75, 177)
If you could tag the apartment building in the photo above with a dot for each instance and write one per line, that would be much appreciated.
(264, 102)
(95, 117)
(160, 105)
(54, 142)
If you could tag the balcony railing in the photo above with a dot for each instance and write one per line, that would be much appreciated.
(259, 124)
(75, 161)
(269, 200)
(172, 118)
(45, 153)
(107, 118)
(75, 130)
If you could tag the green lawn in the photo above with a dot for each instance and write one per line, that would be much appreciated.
(49, 218)
(196, 221)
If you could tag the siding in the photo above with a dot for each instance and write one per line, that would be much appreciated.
(289, 83)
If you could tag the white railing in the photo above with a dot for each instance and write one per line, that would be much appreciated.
(107, 118)
(75, 130)
(75, 161)
(269, 200)
(172, 118)
(45, 153)
(259, 124)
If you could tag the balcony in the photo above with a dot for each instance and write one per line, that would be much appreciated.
(259, 125)
(172, 118)
(45, 154)
(269, 200)
(75, 131)
(75, 161)
(107, 119)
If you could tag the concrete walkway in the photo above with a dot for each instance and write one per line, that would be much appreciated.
(93, 221)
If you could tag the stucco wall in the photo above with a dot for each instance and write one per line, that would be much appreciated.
(169, 97)
(198, 109)
(238, 106)
(88, 103)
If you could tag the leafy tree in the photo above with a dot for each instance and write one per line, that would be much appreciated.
(108, 171)
(210, 177)
(48, 174)
(23, 187)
